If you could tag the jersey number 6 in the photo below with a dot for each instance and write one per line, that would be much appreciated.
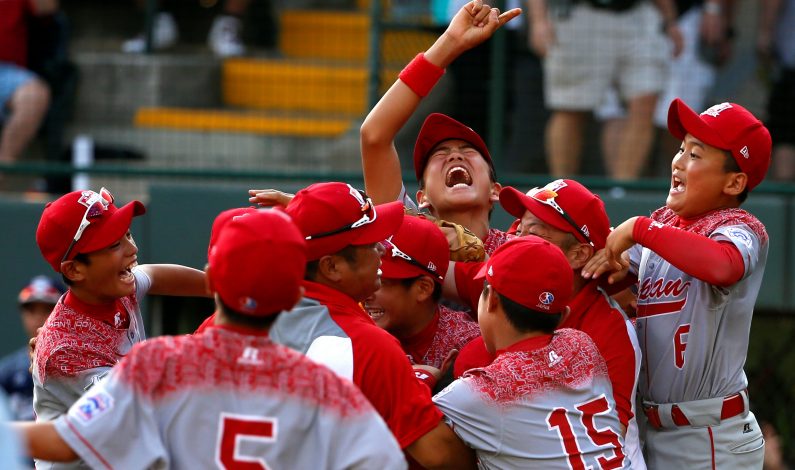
(559, 419)
(232, 430)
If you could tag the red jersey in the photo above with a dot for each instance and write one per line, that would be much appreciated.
(449, 329)
(14, 31)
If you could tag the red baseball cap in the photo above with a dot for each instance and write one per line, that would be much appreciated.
(222, 219)
(438, 128)
(62, 218)
(588, 218)
(531, 272)
(41, 289)
(335, 215)
(257, 263)
(418, 248)
(727, 126)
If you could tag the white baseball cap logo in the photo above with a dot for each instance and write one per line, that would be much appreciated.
(714, 111)
(744, 152)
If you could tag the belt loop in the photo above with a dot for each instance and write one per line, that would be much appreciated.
(746, 401)
(666, 418)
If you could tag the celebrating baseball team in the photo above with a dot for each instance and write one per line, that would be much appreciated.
(361, 328)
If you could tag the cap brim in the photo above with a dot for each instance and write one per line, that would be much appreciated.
(393, 268)
(389, 216)
(516, 203)
(682, 120)
(113, 228)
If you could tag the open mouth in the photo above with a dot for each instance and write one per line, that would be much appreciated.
(677, 185)
(458, 176)
(126, 275)
(375, 312)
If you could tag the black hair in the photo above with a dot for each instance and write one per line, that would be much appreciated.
(244, 320)
(525, 319)
(437, 288)
(348, 254)
(80, 257)
(730, 165)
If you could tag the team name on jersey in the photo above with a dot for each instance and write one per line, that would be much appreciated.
(662, 297)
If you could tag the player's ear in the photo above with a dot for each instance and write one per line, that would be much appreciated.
(564, 314)
(423, 288)
(579, 254)
(495, 192)
(422, 200)
(735, 183)
(73, 270)
(207, 280)
(329, 267)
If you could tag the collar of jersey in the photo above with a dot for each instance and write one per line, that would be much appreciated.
(330, 296)
(105, 313)
(241, 330)
(529, 344)
(580, 304)
(418, 344)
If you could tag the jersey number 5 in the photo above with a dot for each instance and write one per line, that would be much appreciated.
(559, 419)
(232, 430)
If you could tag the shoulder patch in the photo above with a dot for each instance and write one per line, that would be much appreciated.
(91, 406)
(741, 236)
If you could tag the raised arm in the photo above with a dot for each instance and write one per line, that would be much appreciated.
(175, 279)
(472, 25)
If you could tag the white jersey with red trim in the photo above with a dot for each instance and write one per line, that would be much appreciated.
(226, 398)
(694, 335)
(545, 402)
(75, 350)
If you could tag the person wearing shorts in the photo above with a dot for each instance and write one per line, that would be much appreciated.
(588, 46)
(24, 98)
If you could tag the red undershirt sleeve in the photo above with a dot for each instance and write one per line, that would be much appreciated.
(715, 262)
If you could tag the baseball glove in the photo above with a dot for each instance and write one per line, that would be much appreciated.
(464, 245)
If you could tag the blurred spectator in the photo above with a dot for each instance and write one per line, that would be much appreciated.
(10, 453)
(587, 46)
(224, 37)
(707, 38)
(774, 454)
(776, 46)
(24, 97)
(36, 301)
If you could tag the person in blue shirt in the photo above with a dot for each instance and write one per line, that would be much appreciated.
(36, 301)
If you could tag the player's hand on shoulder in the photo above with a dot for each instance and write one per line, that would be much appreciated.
(612, 258)
(269, 197)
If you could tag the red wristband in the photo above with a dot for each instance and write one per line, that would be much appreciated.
(426, 378)
(421, 75)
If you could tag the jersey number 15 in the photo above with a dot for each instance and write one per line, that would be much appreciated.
(559, 419)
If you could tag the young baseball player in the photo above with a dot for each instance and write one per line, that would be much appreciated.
(568, 215)
(413, 267)
(343, 229)
(87, 239)
(546, 400)
(36, 300)
(699, 262)
(451, 161)
(228, 397)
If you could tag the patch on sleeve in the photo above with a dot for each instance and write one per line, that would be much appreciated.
(92, 406)
(742, 236)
